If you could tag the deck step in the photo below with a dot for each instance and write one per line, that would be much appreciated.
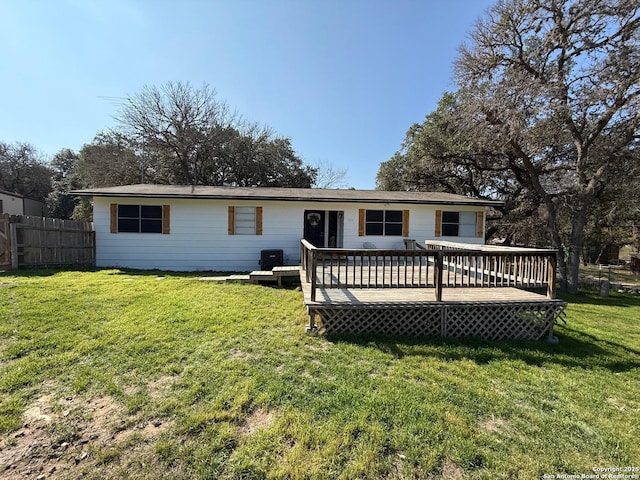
(275, 275)
(239, 278)
(263, 276)
(286, 271)
(215, 279)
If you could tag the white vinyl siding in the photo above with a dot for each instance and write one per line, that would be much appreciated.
(200, 239)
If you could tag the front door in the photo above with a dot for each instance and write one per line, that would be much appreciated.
(314, 227)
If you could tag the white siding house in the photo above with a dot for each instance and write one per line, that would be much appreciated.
(15, 204)
(226, 228)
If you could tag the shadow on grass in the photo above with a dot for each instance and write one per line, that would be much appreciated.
(49, 272)
(575, 350)
(593, 298)
(44, 272)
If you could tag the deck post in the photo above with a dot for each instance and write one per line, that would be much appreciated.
(443, 321)
(551, 280)
(438, 274)
(314, 275)
(312, 329)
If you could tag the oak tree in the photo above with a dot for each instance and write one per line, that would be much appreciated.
(23, 171)
(553, 86)
(194, 139)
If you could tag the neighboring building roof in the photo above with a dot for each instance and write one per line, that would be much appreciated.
(284, 194)
(11, 194)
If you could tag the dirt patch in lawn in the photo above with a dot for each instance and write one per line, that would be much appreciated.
(494, 424)
(257, 420)
(452, 471)
(67, 437)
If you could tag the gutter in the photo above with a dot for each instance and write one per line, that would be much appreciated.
(470, 202)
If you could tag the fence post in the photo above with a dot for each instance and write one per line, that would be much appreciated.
(437, 272)
(13, 240)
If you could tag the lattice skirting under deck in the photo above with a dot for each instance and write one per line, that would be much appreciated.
(490, 321)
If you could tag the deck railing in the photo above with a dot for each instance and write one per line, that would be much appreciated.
(440, 265)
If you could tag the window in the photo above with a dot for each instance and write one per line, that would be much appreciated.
(126, 218)
(384, 222)
(458, 224)
(245, 220)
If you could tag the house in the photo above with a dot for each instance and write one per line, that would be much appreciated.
(222, 228)
(356, 275)
(16, 204)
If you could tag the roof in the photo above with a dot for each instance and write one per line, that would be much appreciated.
(11, 194)
(283, 194)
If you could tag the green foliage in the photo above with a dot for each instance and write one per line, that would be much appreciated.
(545, 118)
(23, 171)
(112, 158)
(242, 392)
(59, 202)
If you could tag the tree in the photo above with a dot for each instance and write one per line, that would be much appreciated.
(59, 203)
(112, 158)
(437, 155)
(193, 139)
(254, 157)
(23, 171)
(552, 85)
(175, 119)
(611, 220)
(328, 175)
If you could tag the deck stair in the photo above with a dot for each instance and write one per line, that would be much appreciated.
(261, 276)
(276, 274)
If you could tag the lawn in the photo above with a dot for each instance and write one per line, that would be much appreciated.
(114, 374)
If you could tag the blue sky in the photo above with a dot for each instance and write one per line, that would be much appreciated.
(343, 79)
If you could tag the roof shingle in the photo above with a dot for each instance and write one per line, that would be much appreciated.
(283, 194)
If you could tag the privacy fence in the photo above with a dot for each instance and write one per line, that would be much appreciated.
(27, 241)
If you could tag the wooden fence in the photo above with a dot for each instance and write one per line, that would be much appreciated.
(5, 242)
(27, 241)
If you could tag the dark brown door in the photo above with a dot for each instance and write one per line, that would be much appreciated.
(314, 227)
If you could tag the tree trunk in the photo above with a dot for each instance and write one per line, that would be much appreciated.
(575, 249)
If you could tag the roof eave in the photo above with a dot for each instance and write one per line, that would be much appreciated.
(469, 202)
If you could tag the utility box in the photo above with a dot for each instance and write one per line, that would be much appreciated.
(271, 258)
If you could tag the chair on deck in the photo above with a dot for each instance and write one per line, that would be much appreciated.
(411, 244)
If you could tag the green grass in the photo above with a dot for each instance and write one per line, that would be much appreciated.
(241, 392)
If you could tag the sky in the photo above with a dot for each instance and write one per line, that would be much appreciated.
(343, 79)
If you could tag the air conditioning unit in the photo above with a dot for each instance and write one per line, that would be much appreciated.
(271, 258)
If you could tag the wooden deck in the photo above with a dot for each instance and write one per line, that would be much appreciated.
(420, 295)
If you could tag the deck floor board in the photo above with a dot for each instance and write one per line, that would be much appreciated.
(364, 296)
